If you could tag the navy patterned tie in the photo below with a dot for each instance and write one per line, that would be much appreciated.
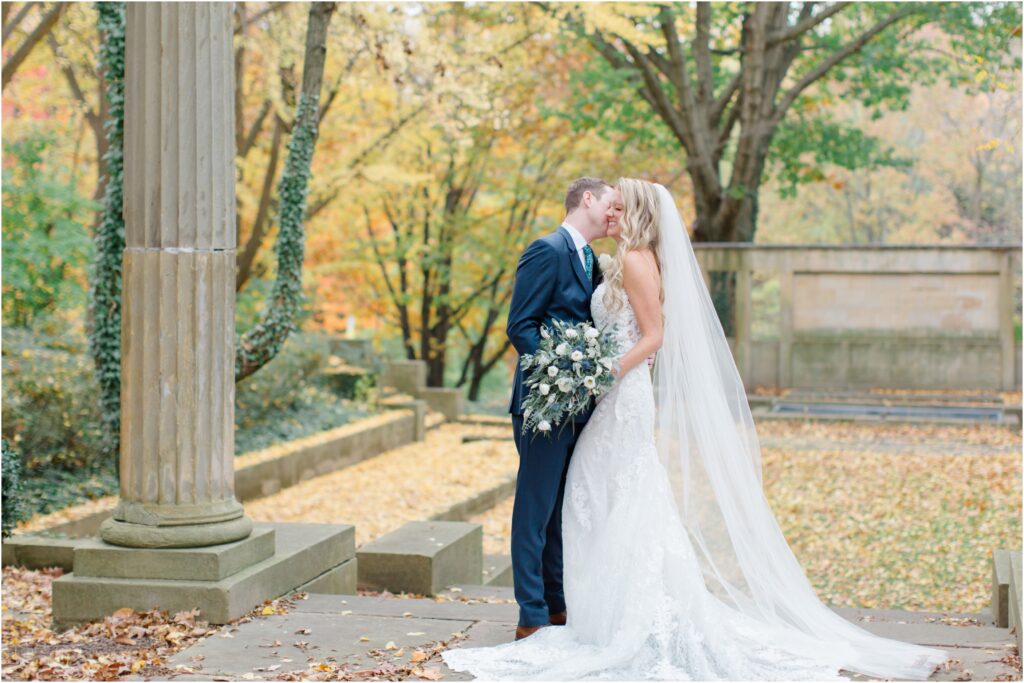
(588, 257)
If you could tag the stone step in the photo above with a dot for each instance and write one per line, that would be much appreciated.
(422, 558)
(463, 510)
(1015, 597)
(478, 592)
(302, 553)
(497, 570)
(35, 551)
(1001, 586)
(434, 419)
(95, 558)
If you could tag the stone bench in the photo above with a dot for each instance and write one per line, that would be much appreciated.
(497, 570)
(423, 558)
(1015, 597)
(1001, 575)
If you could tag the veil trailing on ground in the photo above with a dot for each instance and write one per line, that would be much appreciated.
(707, 442)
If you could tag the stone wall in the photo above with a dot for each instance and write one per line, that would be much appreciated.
(850, 317)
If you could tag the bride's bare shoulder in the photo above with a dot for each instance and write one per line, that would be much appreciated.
(640, 261)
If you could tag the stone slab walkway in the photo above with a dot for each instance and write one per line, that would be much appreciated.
(356, 635)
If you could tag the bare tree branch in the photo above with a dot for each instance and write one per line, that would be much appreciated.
(257, 126)
(18, 18)
(259, 226)
(832, 60)
(45, 25)
(274, 7)
(806, 23)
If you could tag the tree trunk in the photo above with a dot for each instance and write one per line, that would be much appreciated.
(260, 344)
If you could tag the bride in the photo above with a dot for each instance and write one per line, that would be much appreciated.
(674, 565)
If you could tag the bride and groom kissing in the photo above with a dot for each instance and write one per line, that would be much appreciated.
(642, 544)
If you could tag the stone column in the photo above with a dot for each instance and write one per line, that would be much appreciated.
(178, 328)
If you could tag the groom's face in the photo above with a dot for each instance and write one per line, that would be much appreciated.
(601, 208)
(615, 210)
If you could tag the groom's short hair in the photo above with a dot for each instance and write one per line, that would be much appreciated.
(574, 195)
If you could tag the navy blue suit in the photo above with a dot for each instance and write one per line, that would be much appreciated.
(551, 284)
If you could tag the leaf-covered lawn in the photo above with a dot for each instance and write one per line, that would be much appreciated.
(879, 515)
(405, 484)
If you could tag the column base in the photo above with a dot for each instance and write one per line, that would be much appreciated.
(320, 556)
(177, 536)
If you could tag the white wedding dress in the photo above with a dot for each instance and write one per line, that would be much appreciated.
(637, 605)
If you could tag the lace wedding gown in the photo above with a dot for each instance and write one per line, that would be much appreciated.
(636, 599)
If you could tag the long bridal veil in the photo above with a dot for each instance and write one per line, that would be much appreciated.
(707, 442)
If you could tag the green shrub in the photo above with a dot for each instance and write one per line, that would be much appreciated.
(46, 245)
(279, 384)
(13, 503)
(288, 398)
(50, 412)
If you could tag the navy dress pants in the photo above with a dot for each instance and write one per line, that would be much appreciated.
(537, 520)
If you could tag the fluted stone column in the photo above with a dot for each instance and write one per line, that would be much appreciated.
(178, 329)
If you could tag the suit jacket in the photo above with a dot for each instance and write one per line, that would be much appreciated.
(551, 284)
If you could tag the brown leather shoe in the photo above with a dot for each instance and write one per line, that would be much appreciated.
(558, 619)
(523, 631)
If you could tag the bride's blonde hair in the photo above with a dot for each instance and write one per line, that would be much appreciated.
(639, 225)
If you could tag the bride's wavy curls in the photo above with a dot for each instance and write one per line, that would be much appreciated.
(639, 225)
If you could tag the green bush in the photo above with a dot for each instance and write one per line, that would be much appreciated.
(50, 412)
(46, 246)
(13, 503)
(278, 385)
(288, 398)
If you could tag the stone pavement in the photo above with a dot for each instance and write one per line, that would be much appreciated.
(360, 633)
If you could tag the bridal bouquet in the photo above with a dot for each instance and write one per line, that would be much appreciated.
(571, 366)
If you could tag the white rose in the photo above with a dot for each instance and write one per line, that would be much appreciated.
(591, 333)
(604, 260)
(552, 370)
(565, 385)
(571, 334)
(562, 349)
(577, 356)
(592, 352)
(544, 426)
(607, 362)
(589, 382)
(544, 389)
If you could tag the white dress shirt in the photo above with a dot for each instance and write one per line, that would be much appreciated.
(579, 241)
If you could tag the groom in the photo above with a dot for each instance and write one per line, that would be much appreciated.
(555, 279)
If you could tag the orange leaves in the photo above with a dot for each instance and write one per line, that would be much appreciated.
(127, 642)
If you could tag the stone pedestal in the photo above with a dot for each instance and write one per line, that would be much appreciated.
(224, 581)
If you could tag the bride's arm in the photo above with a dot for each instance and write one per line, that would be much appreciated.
(642, 282)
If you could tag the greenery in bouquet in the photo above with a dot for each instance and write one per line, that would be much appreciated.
(571, 367)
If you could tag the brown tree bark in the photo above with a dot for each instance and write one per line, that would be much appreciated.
(44, 26)
(746, 110)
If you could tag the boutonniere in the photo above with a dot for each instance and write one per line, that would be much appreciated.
(604, 260)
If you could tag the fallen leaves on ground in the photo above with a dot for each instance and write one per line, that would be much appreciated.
(125, 643)
(68, 514)
(413, 482)
(878, 530)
